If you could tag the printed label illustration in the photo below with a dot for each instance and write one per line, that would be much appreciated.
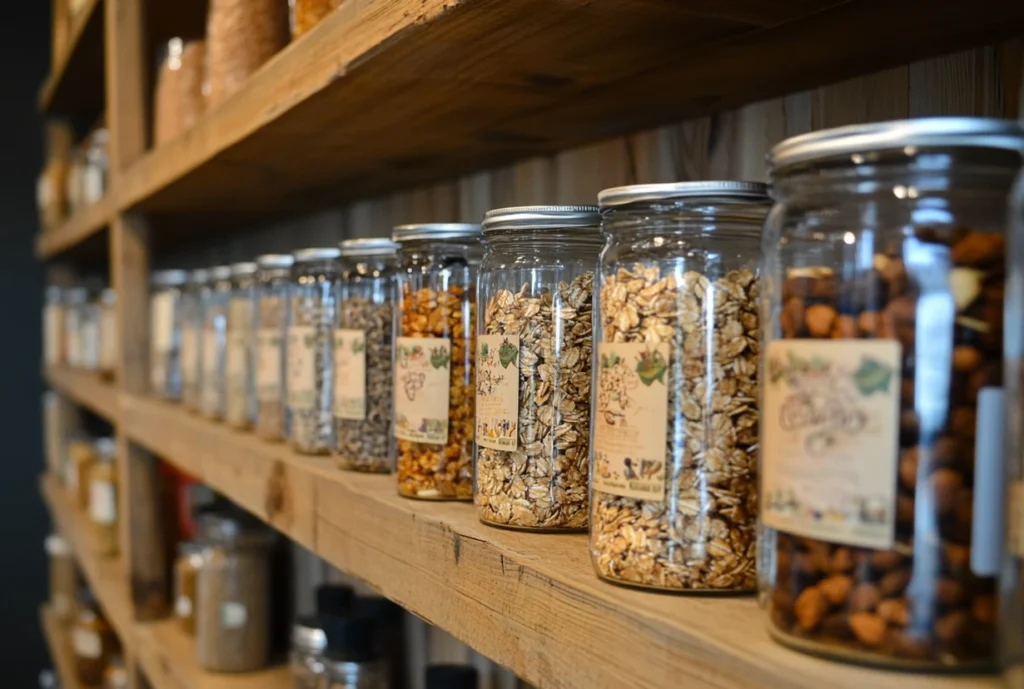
(422, 379)
(102, 502)
(350, 374)
(497, 391)
(631, 420)
(301, 388)
(830, 431)
(268, 365)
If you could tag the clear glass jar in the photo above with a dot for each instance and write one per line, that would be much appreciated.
(1011, 619)
(109, 346)
(92, 640)
(351, 660)
(89, 333)
(63, 577)
(53, 327)
(96, 174)
(103, 489)
(273, 285)
(233, 590)
(186, 570)
(240, 399)
(674, 477)
(165, 333)
(309, 350)
(213, 379)
(309, 641)
(883, 310)
(193, 298)
(436, 331)
(533, 366)
(74, 302)
(363, 396)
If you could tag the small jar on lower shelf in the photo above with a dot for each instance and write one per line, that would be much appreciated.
(103, 489)
(93, 641)
(186, 569)
(273, 285)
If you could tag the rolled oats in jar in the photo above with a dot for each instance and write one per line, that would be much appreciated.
(309, 385)
(882, 400)
(674, 472)
(193, 298)
(239, 401)
(241, 35)
(165, 333)
(533, 366)
(433, 369)
(273, 283)
(213, 355)
(363, 395)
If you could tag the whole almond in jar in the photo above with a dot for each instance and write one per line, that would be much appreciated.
(178, 100)
(533, 366)
(308, 13)
(103, 482)
(239, 402)
(674, 473)
(213, 385)
(363, 393)
(882, 394)
(241, 35)
(433, 369)
(273, 284)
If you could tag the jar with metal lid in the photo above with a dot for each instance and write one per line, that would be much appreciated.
(97, 167)
(233, 590)
(433, 369)
(309, 641)
(115, 676)
(63, 577)
(882, 397)
(310, 356)
(273, 284)
(213, 376)
(674, 475)
(109, 346)
(103, 489)
(363, 396)
(165, 333)
(239, 402)
(193, 297)
(93, 641)
(53, 327)
(533, 366)
(75, 300)
(351, 660)
(186, 569)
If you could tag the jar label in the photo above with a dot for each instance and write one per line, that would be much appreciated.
(268, 365)
(422, 380)
(350, 374)
(162, 321)
(183, 607)
(631, 419)
(233, 615)
(190, 355)
(102, 501)
(87, 643)
(301, 353)
(830, 434)
(497, 391)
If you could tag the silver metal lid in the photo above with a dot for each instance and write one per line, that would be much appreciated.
(368, 247)
(199, 277)
(169, 278)
(724, 190)
(275, 261)
(220, 273)
(542, 218)
(308, 636)
(326, 253)
(860, 140)
(243, 269)
(435, 230)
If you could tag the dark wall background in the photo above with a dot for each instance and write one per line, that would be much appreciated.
(24, 62)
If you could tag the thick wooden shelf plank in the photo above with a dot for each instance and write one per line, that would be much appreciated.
(79, 228)
(61, 653)
(87, 389)
(75, 87)
(528, 601)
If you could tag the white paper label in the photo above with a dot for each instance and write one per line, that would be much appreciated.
(987, 534)
(233, 615)
(90, 344)
(497, 392)
(422, 389)
(190, 354)
(162, 321)
(268, 365)
(87, 643)
(102, 502)
(830, 433)
(350, 374)
(183, 606)
(302, 392)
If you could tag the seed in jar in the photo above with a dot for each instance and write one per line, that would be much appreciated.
(310, 373)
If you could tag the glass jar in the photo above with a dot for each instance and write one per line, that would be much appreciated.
(884, 274)
(165, 333)
(89, 333)
(213, 379)
(305, 14)
(103, 490)
(74, 303)
(433, 369)
(239, 402)
(311, 316)
(351, 660)
(109, 346)
(273, 283)
(93, 641)
(178, 99)
(309, 641)
(1011, 619)
(674, 477)
(233, 588)
(194, 296)
(53, 327)
(97, 167)
(63, 577)
(533, 364)
(363, 395)
(240, 36)
(186, 569)
(115, 676)
(81, 458)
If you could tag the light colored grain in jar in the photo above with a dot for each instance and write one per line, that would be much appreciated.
(179, 101)
(241, 36)
(308, 13)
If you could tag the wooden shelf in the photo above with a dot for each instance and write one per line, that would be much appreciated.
(528, 601)
(82, 226)
(86, 389)
(61, 653)
(76, 86)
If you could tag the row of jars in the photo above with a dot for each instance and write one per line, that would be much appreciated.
(826, 369)
(80, 329)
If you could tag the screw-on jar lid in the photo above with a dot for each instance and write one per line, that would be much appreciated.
(352, 248)
(275, 261)
(326, 253)
(308, 634)
(243, 269)
(860, 141)
(169, 278)
(542, 218)
(199, 276)
(720, 190)
(451, 677)
(220, 273)
(435, 230)
(349, 639)
(334, 599)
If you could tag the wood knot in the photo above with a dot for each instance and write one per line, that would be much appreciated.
(278, 496)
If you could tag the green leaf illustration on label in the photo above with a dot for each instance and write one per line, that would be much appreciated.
(610, 360)
(439, 357)
(507, 354)
(651, 367)
(358, 346)
(872, 376)
(484, 351)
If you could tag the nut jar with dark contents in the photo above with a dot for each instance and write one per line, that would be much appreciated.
(433, 367)
(309, 384)
(675, 417)
(363, 395)
(883, 338)
(239, 396)
(193, 297)
(533, 366)
(165, 333)
(213, 379)
(273, 285)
